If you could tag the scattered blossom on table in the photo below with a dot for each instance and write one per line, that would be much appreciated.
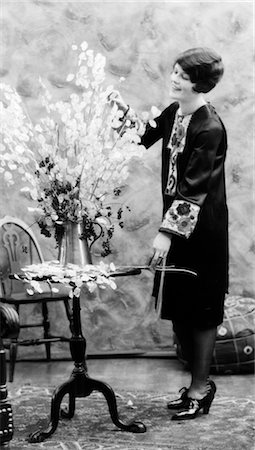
(70, 275)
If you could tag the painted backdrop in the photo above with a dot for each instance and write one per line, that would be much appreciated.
(139, 40)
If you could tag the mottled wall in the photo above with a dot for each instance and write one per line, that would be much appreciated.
(139, 40)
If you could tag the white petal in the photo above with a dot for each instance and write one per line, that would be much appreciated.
(84, 46)
(70, 77)
(152, 123)
(8, 176)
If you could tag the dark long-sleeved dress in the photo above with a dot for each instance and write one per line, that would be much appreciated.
(195, 213)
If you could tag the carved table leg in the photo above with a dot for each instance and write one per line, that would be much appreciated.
(107, 391)
(68, 413)
(57, 397)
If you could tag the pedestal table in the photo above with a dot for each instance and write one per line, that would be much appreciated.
(80, 384)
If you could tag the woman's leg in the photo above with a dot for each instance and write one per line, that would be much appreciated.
(197, 348)
(184, 333)
(203, 346)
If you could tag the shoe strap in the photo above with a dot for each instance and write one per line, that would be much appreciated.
(183, 389)
(193, 403)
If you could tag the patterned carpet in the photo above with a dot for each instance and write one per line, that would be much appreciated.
(229, 426)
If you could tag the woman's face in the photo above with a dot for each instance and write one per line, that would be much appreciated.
(181, 87)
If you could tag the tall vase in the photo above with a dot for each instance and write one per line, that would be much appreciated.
(72, 248)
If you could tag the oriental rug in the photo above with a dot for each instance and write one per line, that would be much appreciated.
(229, 425)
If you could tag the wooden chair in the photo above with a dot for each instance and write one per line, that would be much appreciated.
(18, 248)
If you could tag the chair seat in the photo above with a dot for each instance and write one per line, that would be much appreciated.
(46, 296)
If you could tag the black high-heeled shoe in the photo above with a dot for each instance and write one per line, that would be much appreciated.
(180, 402)
(193, 405)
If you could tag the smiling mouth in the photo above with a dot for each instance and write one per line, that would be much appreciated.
(175, 88)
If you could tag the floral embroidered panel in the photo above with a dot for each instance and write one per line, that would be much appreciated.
(176, 145)
(181, 218)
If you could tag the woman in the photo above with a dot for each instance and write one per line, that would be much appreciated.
(194, 230)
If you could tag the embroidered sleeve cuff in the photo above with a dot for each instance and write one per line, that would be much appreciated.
(181, 218)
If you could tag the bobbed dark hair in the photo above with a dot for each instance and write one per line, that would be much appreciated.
(204, 67)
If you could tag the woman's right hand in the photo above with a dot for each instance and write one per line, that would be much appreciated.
(128, 113)
(161, 247)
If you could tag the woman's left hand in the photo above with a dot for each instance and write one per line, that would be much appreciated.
(161, 246)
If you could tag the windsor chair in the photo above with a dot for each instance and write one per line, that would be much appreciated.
(18, 248)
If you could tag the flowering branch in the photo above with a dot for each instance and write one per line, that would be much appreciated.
(73, 157)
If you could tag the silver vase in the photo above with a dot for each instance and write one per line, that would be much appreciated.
(72, 248)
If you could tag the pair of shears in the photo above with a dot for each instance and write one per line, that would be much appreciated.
(160, 266)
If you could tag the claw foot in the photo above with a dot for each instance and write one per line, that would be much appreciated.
(37, 436)
(137, 427)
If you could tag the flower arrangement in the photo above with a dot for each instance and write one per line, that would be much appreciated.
(76, 158)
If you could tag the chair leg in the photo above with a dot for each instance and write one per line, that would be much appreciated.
(48, 351)
(69, 314)
(13, 357)
(46, 327)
